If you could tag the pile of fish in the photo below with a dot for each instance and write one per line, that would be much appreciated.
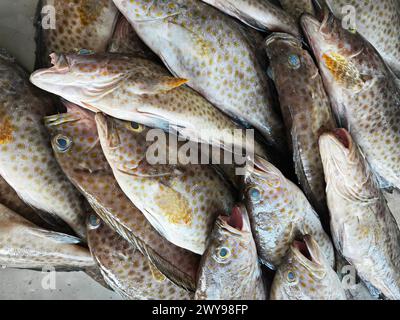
(79, 192)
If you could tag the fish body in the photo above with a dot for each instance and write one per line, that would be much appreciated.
(364, 230)
(376, 21)
(307, 112)
(259, 14)
(305, 274)
(298, 7)
(279, 212)
(210, 49)
(363, 91)
(24, 245)
(27, 162)
(77, 148)
(229, 269)
(126, 270)
(180, 201)
(68, 26)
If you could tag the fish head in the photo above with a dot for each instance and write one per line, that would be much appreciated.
(124, 143)
(302, 273)
(75, 141)
(82, 77)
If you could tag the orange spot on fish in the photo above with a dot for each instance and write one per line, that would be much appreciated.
(6, 130)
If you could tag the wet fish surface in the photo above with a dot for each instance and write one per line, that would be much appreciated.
(363, 91)
(27, 162)
(77, 148)
(126, 270)
(363, 228)
(229, 269)
(298, 7)
(305, 274)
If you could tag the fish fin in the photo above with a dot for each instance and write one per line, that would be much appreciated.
(153, 85)
(55, 236)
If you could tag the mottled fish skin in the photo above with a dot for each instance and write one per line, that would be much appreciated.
(229, 269)
(259, 14)
(126, 270)
(298, 7)
(24, 245)
(363, 228)
(305, 274)
(279, 212)
(364, 94)
(378, 22)
(79, 24)
(210, 49)
(307, 113)
(84, 163)
(136, 89)
(180, 201)
(27, 162)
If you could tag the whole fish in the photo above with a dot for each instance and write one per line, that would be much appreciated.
(210, 49)
(377, 21)
(180, 201)
(229, 269)
(126, 270)
(24, 245)
(279, 212)
(363, 91)
(305, 274)
(136, 89)
(307, 112)
(363, 228)
(71, 25)
(260, 14)
(77, 148)
(27, 162)
(298, 7)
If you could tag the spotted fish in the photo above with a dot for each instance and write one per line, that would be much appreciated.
(307, 112)
(180, 201)
(77, 148)
(298, 7)
(279, 212)
(305, 274)
(229, 269)
(364, 94)
(210, 49)
(26, 158)
(363, 228)
(24, 245)
(260, 14)
(71, 25)
(126, 270)
(377, 21)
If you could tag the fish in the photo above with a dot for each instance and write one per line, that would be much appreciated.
(279, 213)
(125, 269)
(377, 21)
(215, 54)
(307, 112)
(364, 230)
(298, 7)
(259, 14)
(77, 148)
(180, 201)
(363, 91)
(73, 25)
(27, 162)
(26, 246)
(136, 89)
(305, 274)
(229, 269)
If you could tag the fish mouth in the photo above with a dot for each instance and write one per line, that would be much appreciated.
(237, 223)
(308, 252)
(107, 128)
(280, 36)
(338, 137)
(59, 119)
(263, 169)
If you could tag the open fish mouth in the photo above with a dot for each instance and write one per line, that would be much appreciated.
(309, 254)
(278, 36)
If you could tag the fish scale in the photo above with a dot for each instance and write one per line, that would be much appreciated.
(85, 165)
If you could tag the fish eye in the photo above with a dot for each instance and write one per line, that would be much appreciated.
(254, 194)
(352, 30)
(62, 143)
(135, 127)
(224, 253)
(94, 221)
(291, 276)
(294, 61)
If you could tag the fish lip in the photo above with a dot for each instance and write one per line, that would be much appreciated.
(337, 136)
(223, 222)
(106, 128)
(280, 36)
(61, 65)
(316, 262)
